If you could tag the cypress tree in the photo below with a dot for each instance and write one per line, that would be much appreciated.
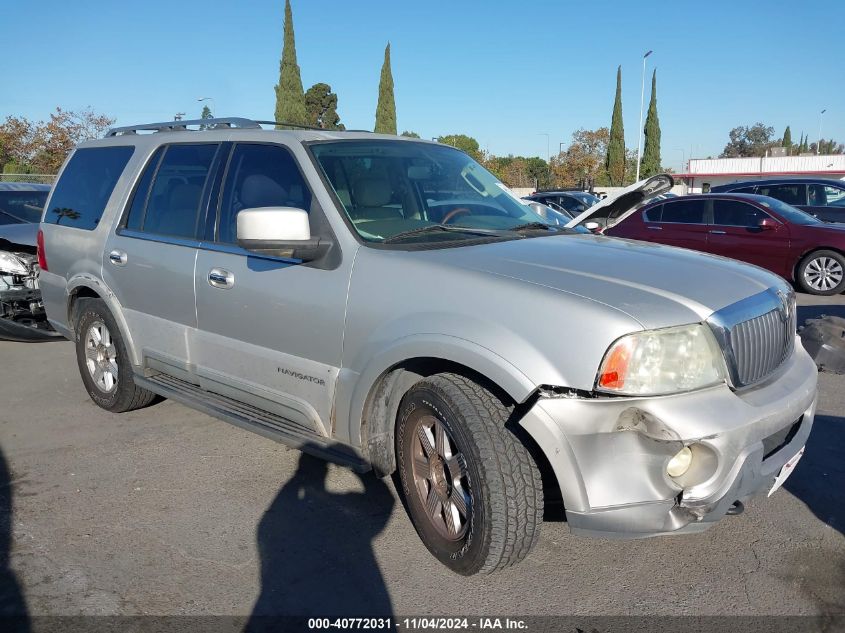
(386, 109)
(615, 162)
(290, 99)
(787, 137)
(651, 150)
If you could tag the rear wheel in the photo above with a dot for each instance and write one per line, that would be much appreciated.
(103, 360)
(822, 273)
(471, 487)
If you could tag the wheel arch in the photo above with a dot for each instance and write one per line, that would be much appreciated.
(809, 251)
(89, 287)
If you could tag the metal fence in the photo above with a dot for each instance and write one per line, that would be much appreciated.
(44, 179)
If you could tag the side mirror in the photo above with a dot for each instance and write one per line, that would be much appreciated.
(279, 232)
(592, 227)
(767, 224)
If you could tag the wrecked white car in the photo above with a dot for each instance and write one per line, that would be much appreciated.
(22, 316)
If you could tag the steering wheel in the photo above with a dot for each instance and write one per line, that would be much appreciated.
(451, 214)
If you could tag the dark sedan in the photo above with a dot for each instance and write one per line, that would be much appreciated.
(751, 228)
(823, 198)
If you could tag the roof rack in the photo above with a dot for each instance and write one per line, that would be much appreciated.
(231, 122)
(176, 126)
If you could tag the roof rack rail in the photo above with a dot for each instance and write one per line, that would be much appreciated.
(299, 126)
(175, 126)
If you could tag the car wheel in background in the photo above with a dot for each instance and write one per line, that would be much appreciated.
(103, 360)
(822, 273)
(472, 489)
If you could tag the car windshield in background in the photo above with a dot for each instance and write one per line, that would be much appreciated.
(389, 188)
(21, 207)
(587, 198)
(788, 212)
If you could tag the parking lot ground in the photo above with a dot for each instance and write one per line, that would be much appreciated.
(167, 511)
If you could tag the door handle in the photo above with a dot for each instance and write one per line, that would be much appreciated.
(718, 233)
(118, 258)
(654, 228)
(219, 278)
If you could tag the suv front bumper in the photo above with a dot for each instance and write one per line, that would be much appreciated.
(610, 454)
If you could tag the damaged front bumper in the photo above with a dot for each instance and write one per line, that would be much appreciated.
(22, 316)
(610, 454)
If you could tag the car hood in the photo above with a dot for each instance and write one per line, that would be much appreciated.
(19, 234)
(658, 286)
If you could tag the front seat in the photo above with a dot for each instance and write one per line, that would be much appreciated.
(372, 195)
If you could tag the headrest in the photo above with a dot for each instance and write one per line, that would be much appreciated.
(259, 190)
(372, 192)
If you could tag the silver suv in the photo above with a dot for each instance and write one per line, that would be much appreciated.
(388, 304)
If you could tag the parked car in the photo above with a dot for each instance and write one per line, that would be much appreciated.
(299, 284)
(570, 202)
(22, 316)
(823, 198)
(751, 228)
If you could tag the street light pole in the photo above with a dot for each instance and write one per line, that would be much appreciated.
(212, 103)
(819, 145)
(548, 153)
(683, 157)
(640, 128)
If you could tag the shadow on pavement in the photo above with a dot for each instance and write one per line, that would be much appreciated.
(316, 550)
(13, 611)
(819, 478)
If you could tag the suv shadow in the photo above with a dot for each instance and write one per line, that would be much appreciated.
(13, 611)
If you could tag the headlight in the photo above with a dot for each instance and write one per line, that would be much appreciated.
(662, 361)
(11, 264)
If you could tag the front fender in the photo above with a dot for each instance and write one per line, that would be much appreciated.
(354, 387)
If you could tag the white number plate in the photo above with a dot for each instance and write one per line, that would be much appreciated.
(786, 471)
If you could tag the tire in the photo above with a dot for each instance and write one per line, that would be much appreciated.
(108, 357)
(482, 487)
(822, 273)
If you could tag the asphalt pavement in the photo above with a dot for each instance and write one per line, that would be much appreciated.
(167, 511)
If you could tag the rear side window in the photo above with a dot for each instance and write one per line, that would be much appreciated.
(790, 194)
(21, 207)
(259, 176)
(172, 201)
(735, 213)
(654, 214)
(683, 212)
(142, 193)
(86, 185)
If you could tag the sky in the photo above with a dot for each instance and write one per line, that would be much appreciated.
(507, 73)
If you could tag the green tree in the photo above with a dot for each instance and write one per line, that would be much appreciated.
(787, 138)
(290, 99)
(462, 142)
(205, 114)
(410, 134)
(755, 140)
(321, 107)
(615, 162)
(386, 109)
(651, 150)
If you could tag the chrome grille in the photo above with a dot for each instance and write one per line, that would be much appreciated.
(757, 335)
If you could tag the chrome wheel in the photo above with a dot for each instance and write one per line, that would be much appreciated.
(440, 477)
(101, 357)
(823, 273)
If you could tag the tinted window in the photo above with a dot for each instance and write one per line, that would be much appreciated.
(654, 214)
(142, 192)
(790, 193)
(174, 198)
(684, 212)
(259, 176)
(735, 213)
(21, 207)
(86, 185)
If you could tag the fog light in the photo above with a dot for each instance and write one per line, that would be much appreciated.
(680, 463)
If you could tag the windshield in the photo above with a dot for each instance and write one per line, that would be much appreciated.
(21, 207)
(788, 212)
(587, 198)
(392, 187)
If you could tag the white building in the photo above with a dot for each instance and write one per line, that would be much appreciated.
(721, 171)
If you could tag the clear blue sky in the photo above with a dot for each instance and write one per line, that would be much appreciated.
(502, 71)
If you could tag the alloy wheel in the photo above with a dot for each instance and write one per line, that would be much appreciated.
(823, 273)
(101, 357)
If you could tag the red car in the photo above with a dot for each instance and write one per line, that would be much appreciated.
(751, 228)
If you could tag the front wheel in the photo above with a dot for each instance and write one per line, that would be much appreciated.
(103, 360)
(472, 489)
(822, 273)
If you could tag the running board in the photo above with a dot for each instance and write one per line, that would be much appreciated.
(252, 419)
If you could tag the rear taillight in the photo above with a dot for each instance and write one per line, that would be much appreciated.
(42, 255)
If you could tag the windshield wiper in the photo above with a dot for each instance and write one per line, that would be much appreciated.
(434, 228)
(534, 226)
